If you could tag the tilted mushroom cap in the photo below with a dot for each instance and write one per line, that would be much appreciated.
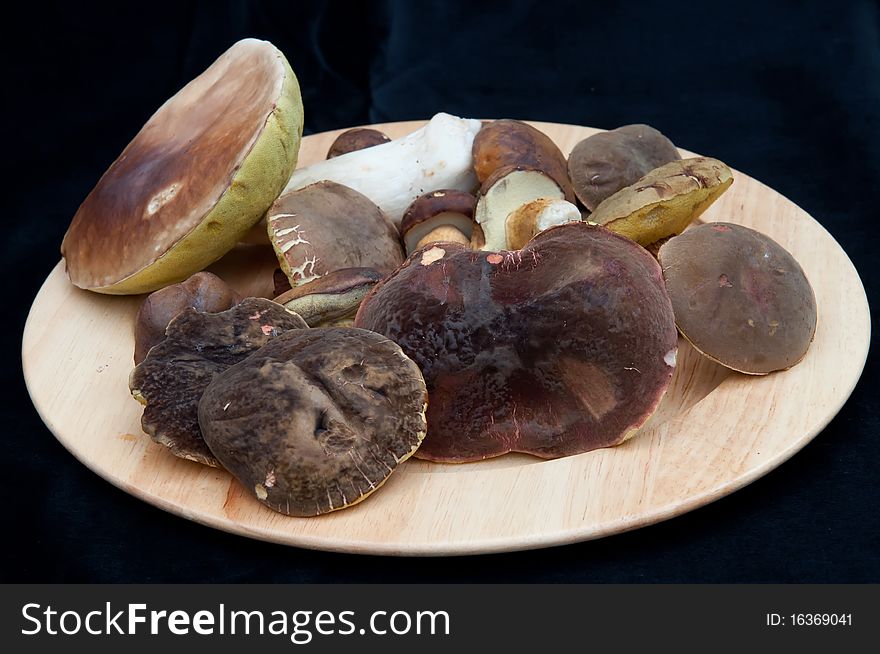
(562, 347)
(203, 291)
(602, 164)
(331, 300)
(316, 420)
(739, 297)
(355, 139)
(327, 226)
(197, 347)
(430, 213)
(198, 175)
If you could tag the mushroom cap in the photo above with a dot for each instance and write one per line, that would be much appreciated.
(739, 297)
(562, 347)
(317, 419)
(448, 206)
(203, 291)
(164, 208)
(327, 226)
(197, 347)
(331, 300)
(602, 164)
(358, 138)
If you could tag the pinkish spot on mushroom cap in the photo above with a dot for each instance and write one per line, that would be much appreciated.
(494, 259)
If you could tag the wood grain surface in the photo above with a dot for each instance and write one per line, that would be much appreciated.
(715, 431)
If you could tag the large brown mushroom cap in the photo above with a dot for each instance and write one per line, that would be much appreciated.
(739, 297)
(316, 420)
(197, 347)
(198, 175)
(327, 226)
(602, 164)
(562, 347)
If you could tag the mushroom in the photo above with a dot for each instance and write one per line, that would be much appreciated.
(739, 297)
(602, 164)
(444, 215)
(355, 139)
(316, 420)
(203, 291)
(505, 143)
(195, 179)
(534, 217)
(665, 201)
(197, 347)
(394, 174)
(327, 226)
(331, 300)
(559, 348)
(506, 190)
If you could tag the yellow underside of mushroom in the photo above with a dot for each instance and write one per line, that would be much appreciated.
(255, 186)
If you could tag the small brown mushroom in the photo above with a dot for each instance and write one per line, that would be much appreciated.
(358, 138)
(739, 297)
(327, 226)
(444, 215)
(203, 291)
(197, 347)
(602, 164)
(559, 348)
(346, 407)
(331, 300)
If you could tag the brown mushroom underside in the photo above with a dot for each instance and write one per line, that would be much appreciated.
(316, 420)
(197, 347)
(562, 347)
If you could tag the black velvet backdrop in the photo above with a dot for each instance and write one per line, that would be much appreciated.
(788, 92)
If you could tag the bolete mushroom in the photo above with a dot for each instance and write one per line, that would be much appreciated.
(532, 218)
(665, 201)
(203, 291)
(559, 348)
(444, 215)
(739, 297)
(346, 408)
(355, 139)
(512, 143)
(195, 179)
(602, 164)
(197, 347)
(327, 226)
(331, 300)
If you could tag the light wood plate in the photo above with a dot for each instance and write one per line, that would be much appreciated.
(714, 433)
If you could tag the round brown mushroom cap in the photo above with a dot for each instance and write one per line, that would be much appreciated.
(602, 164)
(203, 291)
(328, 226)
(197, 347)
(739, 297)
(559, 348)
(436, 209)
(316, 420)
(331, 300)
(358, 138)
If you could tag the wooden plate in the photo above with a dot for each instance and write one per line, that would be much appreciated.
(715, 432)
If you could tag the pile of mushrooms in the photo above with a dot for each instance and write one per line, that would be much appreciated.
(456, 294)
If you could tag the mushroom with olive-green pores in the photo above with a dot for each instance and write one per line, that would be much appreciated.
(602, 164)
(444, 215)
(327, 226)
(355, 139)
(316, 420)
(739, 297)
(331, 300)
(195, 179)
(197, 347)
(562, 347)
(665, 201)
(532, 218)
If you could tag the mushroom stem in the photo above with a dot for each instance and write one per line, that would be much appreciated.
(534, 217)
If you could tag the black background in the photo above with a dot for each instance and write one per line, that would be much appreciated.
(788, 92)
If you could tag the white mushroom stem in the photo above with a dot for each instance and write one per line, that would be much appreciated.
(532, 218)
(392, 175)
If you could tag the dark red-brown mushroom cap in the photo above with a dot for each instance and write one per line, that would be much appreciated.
(562, 347)
(739, 297)
(197, 347)
(316, 420)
